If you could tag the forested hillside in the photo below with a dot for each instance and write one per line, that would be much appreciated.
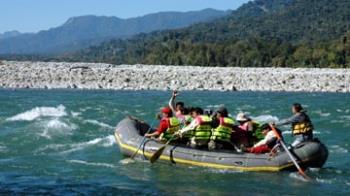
(261, 33)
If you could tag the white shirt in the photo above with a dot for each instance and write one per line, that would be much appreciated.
(269, 136)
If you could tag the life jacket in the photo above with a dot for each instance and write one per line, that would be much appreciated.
(224, 130)
(173, 126)
(189, 134)
(304, 127)
(203, 130)
(257, 131)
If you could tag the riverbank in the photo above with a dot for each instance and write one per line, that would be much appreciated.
(49, 75)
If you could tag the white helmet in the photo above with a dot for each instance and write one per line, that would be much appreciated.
(242, 117)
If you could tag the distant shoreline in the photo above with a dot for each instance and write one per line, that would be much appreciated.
(52, 75)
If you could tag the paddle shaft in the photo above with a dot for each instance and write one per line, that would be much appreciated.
(289, 153)
(143, 140)
(160, 151)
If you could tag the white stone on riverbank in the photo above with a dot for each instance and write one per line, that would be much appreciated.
(51, 75)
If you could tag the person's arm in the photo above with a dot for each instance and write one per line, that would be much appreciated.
(162, 127)
(293, 119)
(250, 126)
(172, 103)
(270, 135)
(190, 127)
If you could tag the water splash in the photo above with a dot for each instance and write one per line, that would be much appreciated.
(56, 126)
(297, 176)
(38, 112)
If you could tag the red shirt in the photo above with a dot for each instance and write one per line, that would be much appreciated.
(163, 126)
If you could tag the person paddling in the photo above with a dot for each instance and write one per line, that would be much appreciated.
(221, 135)
(268, 143)
(167, 127)
(302, 128)
(200, 127)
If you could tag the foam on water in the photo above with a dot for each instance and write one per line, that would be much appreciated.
(322, 114)
(98, 123)
(56, 126)
(92, 163)
(38, 112)
(325, 181)
(75, 114)
(338, 149)
(3, 148)
(69, 148)
(297, 176)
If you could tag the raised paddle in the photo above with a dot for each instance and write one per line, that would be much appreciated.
(289, 153)
(159, 152)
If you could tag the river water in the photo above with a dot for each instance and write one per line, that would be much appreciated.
(61, 142)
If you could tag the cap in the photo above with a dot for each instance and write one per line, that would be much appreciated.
(242, 117)
(166, 110)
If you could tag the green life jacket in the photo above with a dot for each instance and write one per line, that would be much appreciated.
(174, 126)
(257, 131)
(203, 130)
(224, 130)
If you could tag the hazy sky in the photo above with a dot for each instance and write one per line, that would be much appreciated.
(35, 15)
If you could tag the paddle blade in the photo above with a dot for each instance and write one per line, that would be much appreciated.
(157, 154)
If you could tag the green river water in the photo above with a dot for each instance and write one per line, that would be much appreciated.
(61, 142)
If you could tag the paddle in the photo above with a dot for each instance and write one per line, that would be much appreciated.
(289, 153)
(159, 152)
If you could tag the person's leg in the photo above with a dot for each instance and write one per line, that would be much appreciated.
(260, 149)
(298, 139)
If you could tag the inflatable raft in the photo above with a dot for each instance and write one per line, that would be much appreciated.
(129, 136)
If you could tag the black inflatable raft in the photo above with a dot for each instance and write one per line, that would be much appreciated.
(129, 133)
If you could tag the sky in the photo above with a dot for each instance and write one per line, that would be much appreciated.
(35, 15)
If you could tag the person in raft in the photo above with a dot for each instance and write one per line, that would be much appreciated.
(221, 135)
(302, 128)
(248, 127)
(167, 127)
(178, 108)
(200, 128)
(267, 144)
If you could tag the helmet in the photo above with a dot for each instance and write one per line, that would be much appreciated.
(242, 117)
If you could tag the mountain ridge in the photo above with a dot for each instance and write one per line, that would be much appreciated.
(98, 29)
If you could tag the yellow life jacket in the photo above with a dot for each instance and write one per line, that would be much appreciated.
(304, 127)
(174, 126)
(224, 130)
(203, 130)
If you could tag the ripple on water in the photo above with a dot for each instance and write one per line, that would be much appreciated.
(98, 123)
(92, 163)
